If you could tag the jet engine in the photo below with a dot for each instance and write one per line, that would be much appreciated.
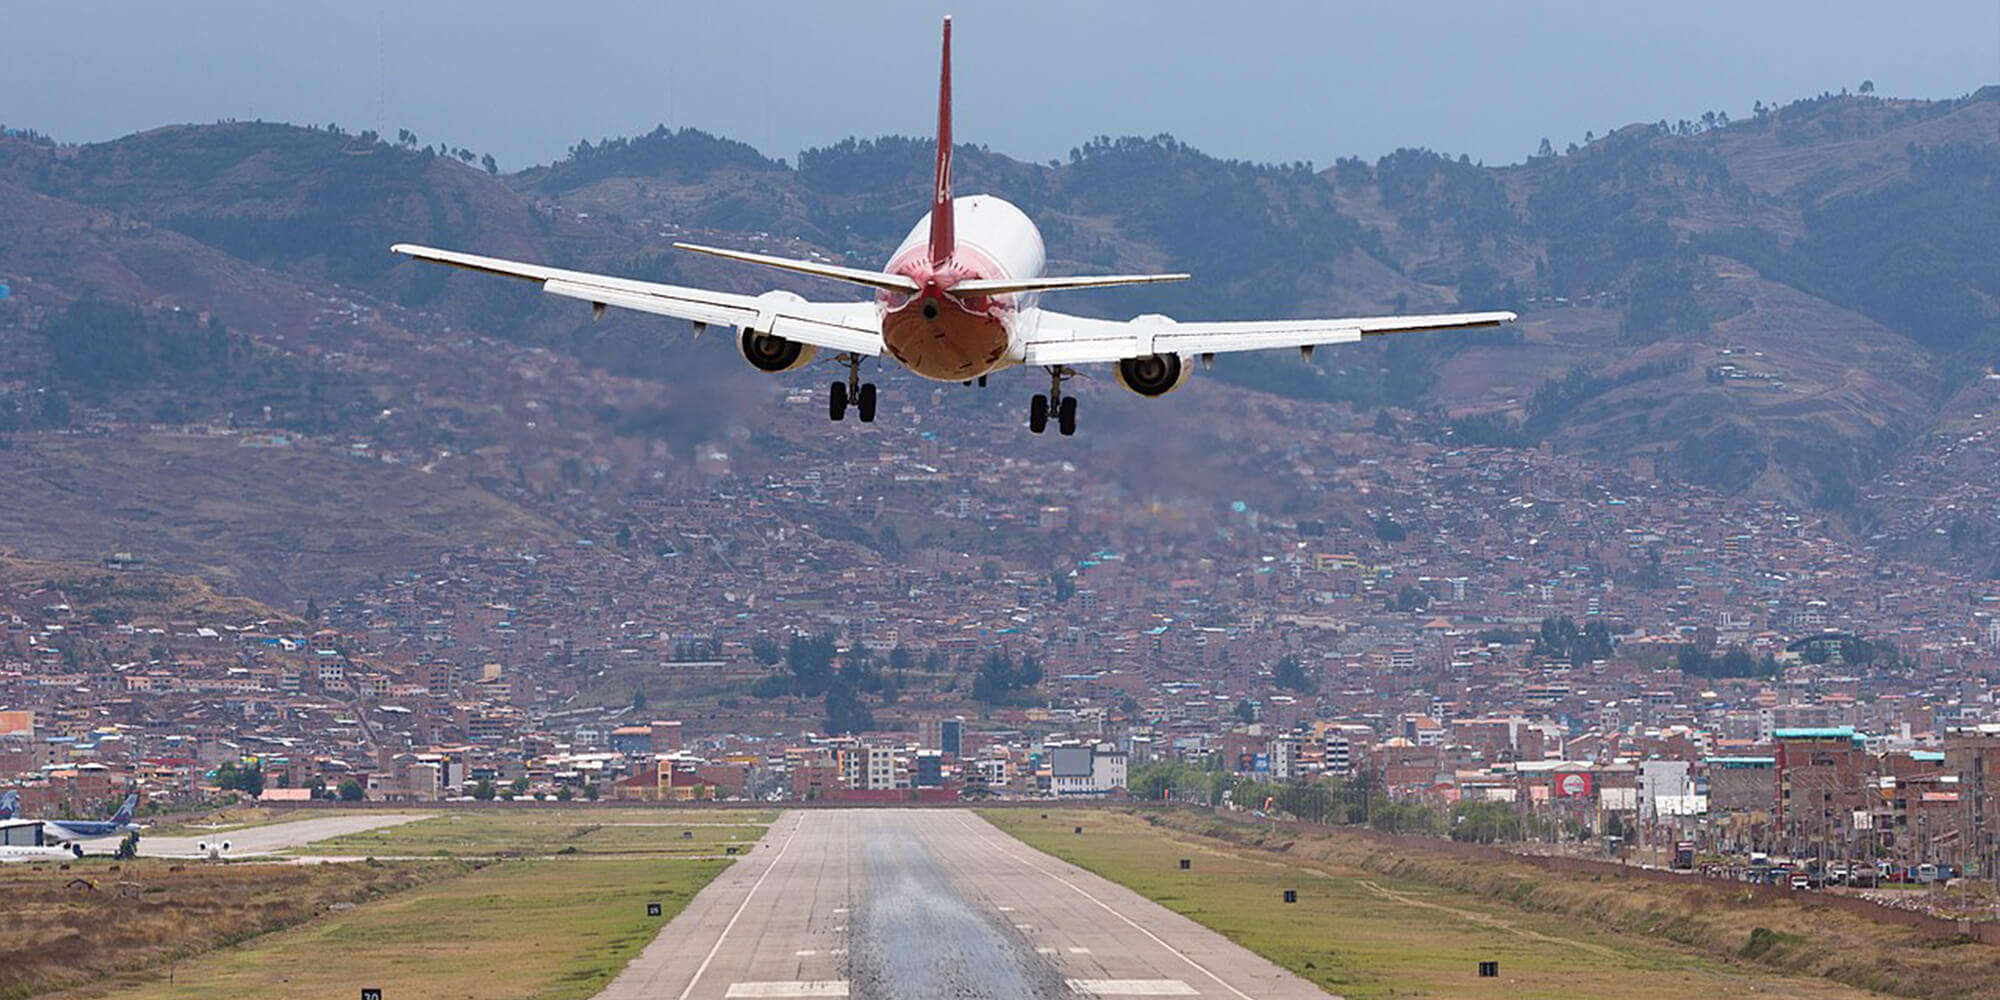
(1154, 374)
(768, 352)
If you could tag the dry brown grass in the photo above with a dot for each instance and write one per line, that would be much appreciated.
(1787, 934)
(69, 927)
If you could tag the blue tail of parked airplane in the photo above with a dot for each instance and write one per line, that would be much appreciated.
(10, 804)
(124, 813)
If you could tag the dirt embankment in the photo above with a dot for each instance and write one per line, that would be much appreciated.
(1799, 933)
(72, 926)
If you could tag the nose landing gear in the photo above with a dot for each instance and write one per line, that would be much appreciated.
(853, 392)
(1055, 404)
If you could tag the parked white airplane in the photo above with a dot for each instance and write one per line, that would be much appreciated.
(957, 301)
(12, 855)
(28, 840)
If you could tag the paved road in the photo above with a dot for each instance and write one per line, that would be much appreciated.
(274, 837)
(893, 904)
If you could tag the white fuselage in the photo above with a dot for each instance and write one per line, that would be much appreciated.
(9, 854)
(942, 336)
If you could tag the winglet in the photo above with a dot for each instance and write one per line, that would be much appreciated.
(943, 241)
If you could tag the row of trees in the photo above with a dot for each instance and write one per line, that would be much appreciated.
(1357, 801)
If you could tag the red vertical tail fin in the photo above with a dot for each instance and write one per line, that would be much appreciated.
(943, 242)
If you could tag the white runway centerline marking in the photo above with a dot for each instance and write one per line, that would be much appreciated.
(1079, 951)
(1132, 988)
(793, 988)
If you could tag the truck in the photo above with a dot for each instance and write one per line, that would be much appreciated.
(1684, 856)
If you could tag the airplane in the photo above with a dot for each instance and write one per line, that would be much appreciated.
(120, 823)
(10, 803)
(959, 300)
(27, 839)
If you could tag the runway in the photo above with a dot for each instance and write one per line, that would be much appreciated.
(892, 904)
(276, 836)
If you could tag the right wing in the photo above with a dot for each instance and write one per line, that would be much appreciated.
(853, 327)
(1077, 340)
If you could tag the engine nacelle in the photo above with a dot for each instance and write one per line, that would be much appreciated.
(771, 353)
(1154, 374)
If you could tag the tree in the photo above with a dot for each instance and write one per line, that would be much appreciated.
(1546, 149)
(312, 610)
(845, 712)
(519, 786)
(638, 699)
(492, 166)
(590, 792)
(1246, 712)
(128, 849)
(483, 791)
(1291, 675)
(351, 791)
(1867, 86)
(563, 794)
(231, 777)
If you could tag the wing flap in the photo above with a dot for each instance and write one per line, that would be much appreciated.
(839, 326)
(1077, 340)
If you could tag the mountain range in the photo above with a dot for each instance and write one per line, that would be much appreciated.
(1801, 305)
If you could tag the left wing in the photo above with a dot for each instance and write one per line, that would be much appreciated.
(1078, 340)
(840, 326)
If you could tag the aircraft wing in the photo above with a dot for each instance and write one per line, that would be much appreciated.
(840, 326)
(1078, 340)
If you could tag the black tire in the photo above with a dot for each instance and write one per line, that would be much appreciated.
(836, 404)
(982, 381)
(1038, 413)
(867, 402)
(1066, 417)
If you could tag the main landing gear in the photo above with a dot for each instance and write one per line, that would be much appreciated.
(853, 392)
(1055, 404)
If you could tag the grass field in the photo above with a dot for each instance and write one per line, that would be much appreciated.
(551, 930)
(1363, 935)
(539, 831)
(237, 817)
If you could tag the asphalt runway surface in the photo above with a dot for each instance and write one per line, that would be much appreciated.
(273, 837)
(900, 904)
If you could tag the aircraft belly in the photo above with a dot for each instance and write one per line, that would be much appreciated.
(953, 346)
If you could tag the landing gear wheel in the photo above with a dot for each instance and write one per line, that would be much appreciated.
(836, 408)
(1066, 416)
(1038, 413)
(866, 404)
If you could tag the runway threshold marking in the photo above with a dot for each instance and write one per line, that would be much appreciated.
(709, 959)
(1131, 987)
(792, 988)
(1114, 911)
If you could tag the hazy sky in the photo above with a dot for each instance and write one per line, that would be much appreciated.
(1269, 82)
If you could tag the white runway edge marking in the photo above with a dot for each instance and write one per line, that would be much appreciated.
(1132, 988)
(1079, 951)
(709, 959)
(1108, 908)
(803, 988)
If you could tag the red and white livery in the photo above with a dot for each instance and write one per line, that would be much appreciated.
(959, 300)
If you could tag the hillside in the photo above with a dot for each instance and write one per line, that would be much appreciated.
(1797, 305)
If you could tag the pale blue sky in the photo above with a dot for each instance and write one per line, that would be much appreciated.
(1269, 82)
